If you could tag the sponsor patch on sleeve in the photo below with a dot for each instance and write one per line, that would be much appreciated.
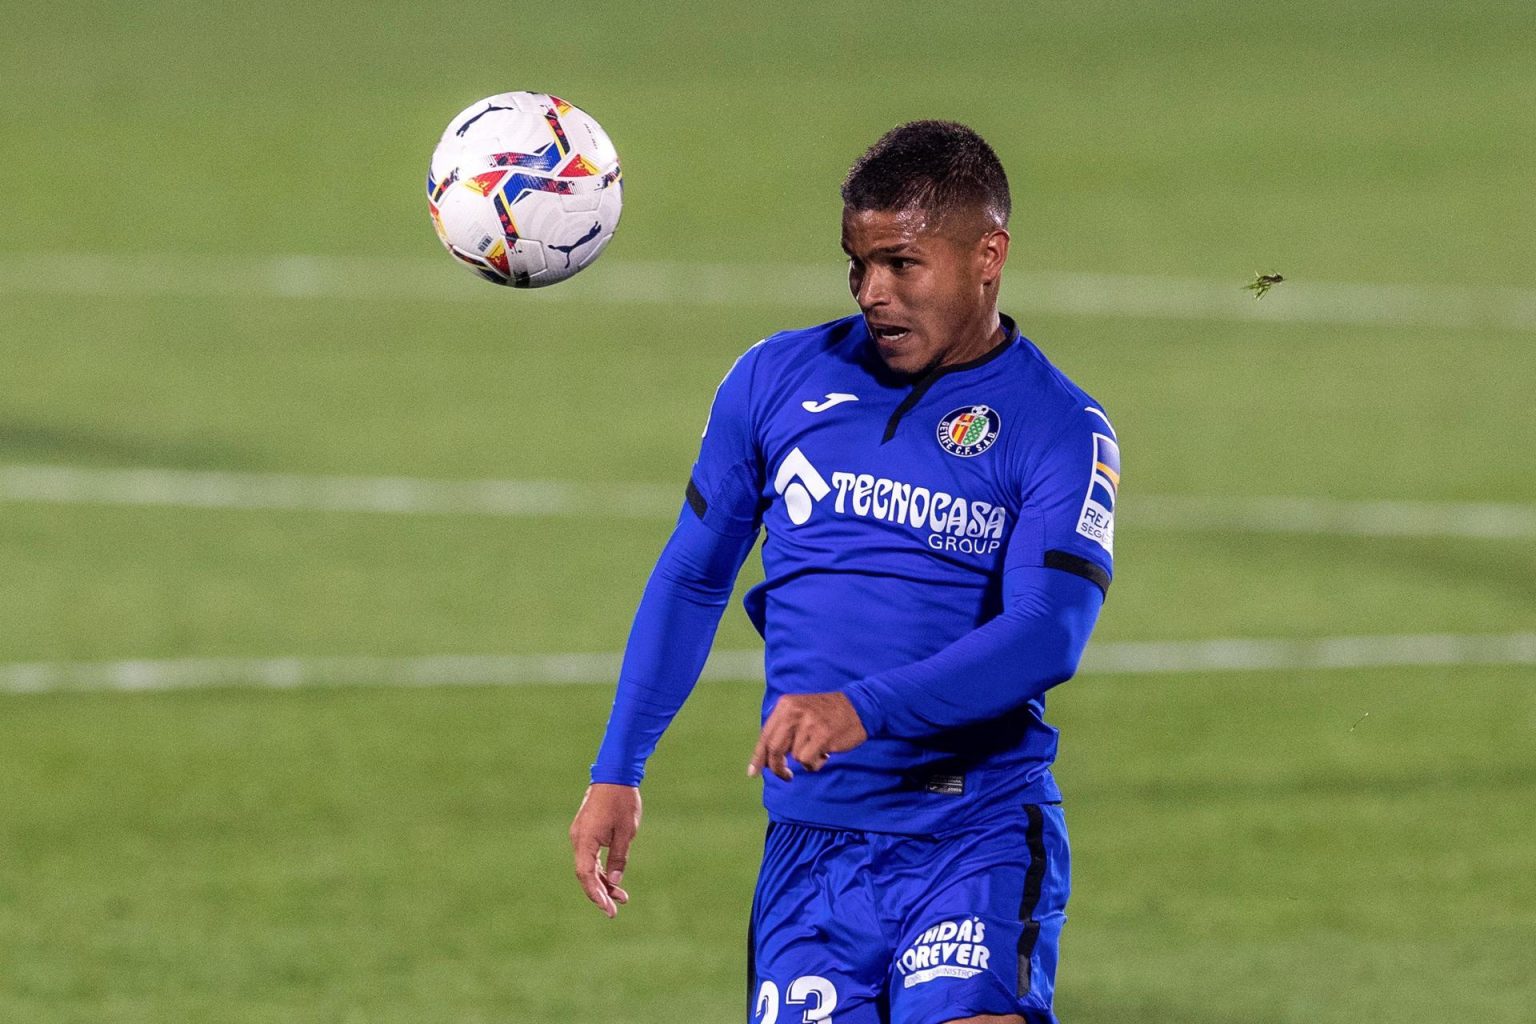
(1097, 519)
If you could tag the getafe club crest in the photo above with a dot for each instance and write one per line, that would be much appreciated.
(969, 430)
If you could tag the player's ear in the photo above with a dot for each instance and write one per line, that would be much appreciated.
(992, 251)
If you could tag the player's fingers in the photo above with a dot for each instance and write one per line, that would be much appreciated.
(597, 892)
(770, 739)
(811, 758)
(771, 746)
(777, 762)
(759, 755)
(618, 858)
(584, 852)
(589, 873)
(810, 746)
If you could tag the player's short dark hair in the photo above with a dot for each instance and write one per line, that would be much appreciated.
(931, 165)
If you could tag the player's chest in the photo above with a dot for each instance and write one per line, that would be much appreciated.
(931, 465)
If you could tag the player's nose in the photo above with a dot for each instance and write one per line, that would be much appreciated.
(873, 291)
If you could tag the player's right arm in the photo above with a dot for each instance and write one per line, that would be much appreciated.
(673, 629)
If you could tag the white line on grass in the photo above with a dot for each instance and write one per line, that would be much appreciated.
(1478, 520)
(1184, 656)
(799, 286)
(81, 485)
(201, 489)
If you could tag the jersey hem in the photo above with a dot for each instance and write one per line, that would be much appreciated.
(1041, 791)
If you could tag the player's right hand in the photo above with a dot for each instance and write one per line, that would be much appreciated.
(608, 819)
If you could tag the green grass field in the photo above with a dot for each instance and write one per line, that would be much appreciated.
(1276, 847)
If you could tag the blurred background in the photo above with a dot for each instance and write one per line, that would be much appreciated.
(318, 552)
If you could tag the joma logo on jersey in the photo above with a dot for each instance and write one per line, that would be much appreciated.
(953, 522)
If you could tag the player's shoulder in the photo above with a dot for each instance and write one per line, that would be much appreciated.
(1053, 400)
(1068, 460)
(786, 359)
(763, 374)
(797, 344)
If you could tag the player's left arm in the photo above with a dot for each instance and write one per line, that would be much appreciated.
(1057, 570)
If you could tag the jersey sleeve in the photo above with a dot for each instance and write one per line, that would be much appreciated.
(1001, 665)
(1067, 521)
(1056, 572)
(690, 586)
(673, 629)
(725, 485)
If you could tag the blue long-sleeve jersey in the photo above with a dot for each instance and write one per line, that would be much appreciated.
(937, 549)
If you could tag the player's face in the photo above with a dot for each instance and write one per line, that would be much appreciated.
(927, 285)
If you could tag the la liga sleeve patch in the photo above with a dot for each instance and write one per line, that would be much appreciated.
(1097, 519)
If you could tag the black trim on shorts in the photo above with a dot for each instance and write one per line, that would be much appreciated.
(752, 965)
(696, 499)
(752, 931)
(1077, 566)
(1034, 881)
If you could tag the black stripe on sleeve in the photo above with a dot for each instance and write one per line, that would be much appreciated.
(1078, 566)
(696, 499)
(1034, 879)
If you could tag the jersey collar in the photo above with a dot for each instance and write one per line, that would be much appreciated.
(921, 384)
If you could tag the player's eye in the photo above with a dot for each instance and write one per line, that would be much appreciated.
(902, 263)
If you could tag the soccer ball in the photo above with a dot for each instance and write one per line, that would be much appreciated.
(525, 189)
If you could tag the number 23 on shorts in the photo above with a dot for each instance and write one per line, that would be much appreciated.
(817, 995)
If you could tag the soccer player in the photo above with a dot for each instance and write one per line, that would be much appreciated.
(938, 500)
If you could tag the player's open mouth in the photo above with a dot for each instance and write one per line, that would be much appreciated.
(888, 332)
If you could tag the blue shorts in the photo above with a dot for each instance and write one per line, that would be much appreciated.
(874, 928)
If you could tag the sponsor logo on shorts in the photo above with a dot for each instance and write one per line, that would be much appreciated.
(969, 430)
(952, 949)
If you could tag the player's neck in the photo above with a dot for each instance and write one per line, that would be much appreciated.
(985, 334)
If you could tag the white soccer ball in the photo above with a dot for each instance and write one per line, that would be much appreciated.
(525, 189)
